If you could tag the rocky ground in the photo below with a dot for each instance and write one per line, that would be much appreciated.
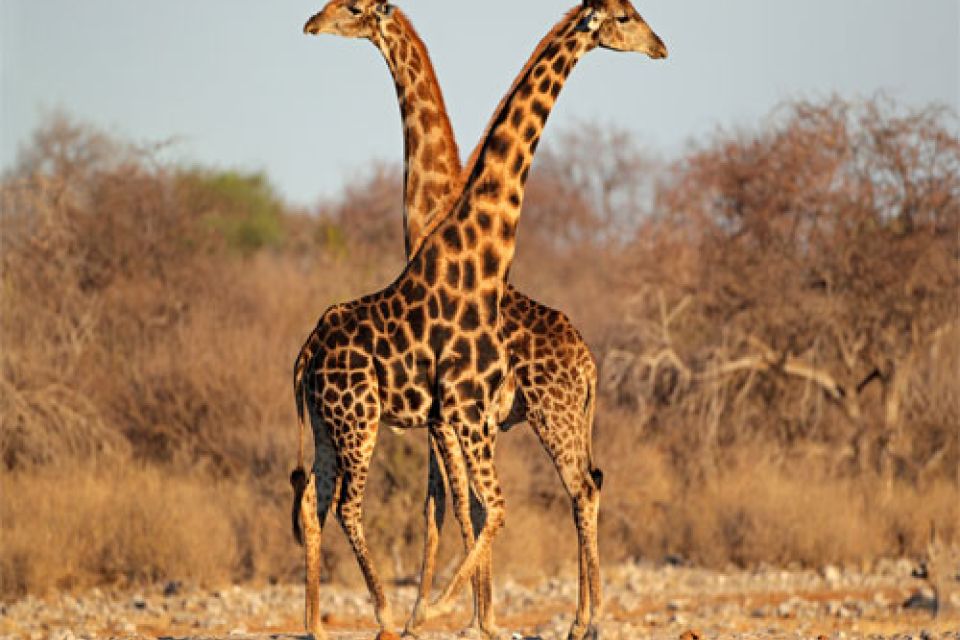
(641, 601)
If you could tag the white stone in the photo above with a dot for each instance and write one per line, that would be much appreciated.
(831, 574)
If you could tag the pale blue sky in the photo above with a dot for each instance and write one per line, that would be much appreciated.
(241, 87)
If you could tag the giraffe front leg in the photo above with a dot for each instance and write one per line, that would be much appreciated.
(433, 511)
(469, 513)
(479, 459)
(487, 620)
(454, 468)
(484, 617)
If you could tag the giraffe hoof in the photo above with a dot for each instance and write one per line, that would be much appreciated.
(495, 633)
(414, 625)
(438, 609)
(318, 634)
(584, 632)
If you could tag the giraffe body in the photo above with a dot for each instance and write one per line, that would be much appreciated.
(431, 349)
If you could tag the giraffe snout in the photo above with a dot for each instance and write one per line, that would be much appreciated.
(659, 48)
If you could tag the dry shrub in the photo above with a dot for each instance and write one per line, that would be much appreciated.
(804, 290)
(366, 221)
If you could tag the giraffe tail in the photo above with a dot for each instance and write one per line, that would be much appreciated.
(298, 477)
(589, 410)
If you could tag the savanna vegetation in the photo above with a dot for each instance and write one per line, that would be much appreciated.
(775, 314)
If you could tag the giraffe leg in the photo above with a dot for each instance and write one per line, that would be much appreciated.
(591, 519)
(310, 523)
(320, 493)
(556, 431)
(479, 459)
(484, 616)
(354, 467)
(589, 608)
(447, 449)
(469, 519)
(434, 510)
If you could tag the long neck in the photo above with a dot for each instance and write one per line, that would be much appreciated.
(496, 175)
(431, 166)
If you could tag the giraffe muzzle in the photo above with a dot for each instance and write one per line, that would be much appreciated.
(659, 49)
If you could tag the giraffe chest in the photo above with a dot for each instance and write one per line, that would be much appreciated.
(440, 363)
(406, 385)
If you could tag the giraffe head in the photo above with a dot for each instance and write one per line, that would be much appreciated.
(350, 18)
(620, 27)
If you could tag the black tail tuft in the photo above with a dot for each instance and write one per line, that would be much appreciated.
(597, 476)
(298, 479)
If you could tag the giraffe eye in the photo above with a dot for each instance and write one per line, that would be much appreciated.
(623, 19)
(352, 9)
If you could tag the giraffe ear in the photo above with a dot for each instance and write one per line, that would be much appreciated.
(589, 21)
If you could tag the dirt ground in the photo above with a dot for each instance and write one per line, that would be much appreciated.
(641, 601)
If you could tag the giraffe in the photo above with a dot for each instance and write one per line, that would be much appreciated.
(428, 348)
(431, 172)
(551, 360)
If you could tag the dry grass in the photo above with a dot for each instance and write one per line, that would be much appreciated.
(759, 510)
(74, 526)
(78, 526)
(754, 508)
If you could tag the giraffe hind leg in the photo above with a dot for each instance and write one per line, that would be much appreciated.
(586, 624)
(354, 465)
(320, 492)
(559, 431)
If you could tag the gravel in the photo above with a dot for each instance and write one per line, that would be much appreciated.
(642, 600)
